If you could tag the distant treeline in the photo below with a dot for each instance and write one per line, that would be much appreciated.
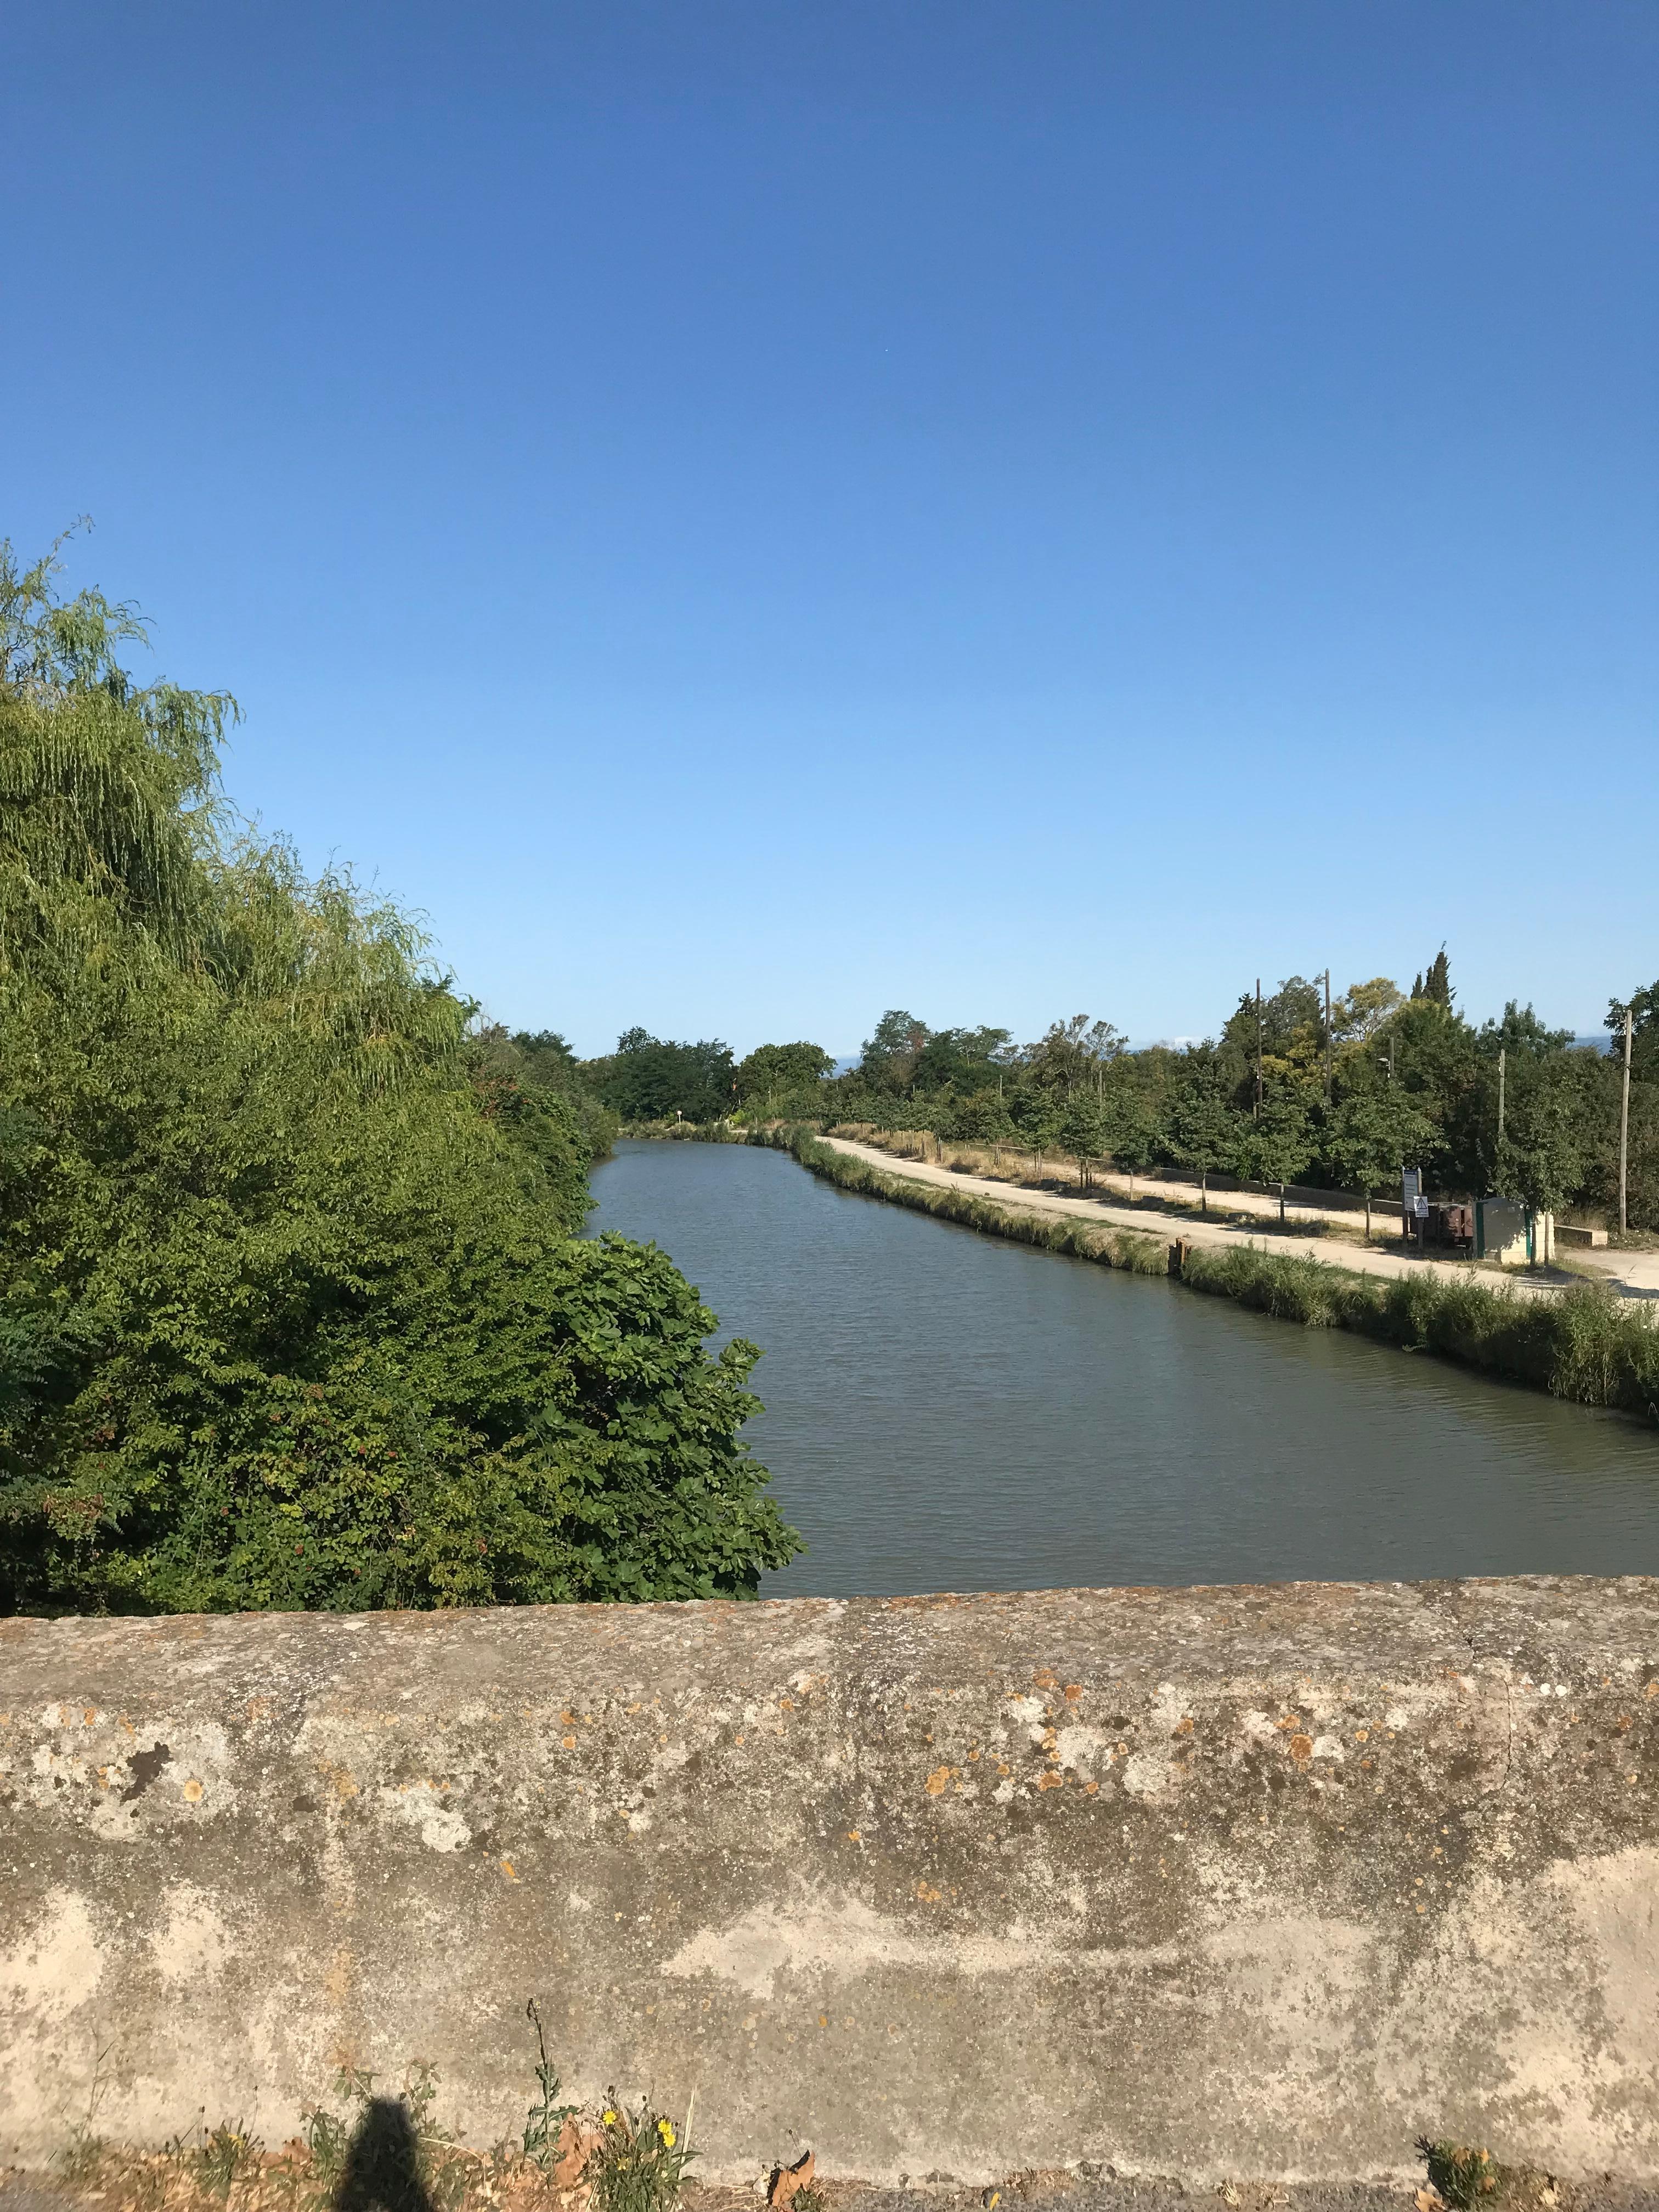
(1281, 1094)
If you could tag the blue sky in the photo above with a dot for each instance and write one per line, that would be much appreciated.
(750, 514)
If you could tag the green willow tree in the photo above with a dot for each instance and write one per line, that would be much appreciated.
(293, 1311)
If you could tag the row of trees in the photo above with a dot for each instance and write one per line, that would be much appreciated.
(1281, 1094)
(647, 1079)
(294, 1309)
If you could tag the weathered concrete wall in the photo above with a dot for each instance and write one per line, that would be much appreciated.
(1198, 1881)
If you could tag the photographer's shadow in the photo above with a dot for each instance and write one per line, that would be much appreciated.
(382, 2168)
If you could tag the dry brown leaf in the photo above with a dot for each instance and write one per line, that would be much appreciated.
(787, 2179)
(575, 2146)
(1429, 2199)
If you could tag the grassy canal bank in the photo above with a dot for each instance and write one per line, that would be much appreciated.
(1584, 1345)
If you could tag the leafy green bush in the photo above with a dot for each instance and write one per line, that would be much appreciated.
(292, 1309)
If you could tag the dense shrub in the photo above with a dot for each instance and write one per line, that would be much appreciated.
(291, 1307)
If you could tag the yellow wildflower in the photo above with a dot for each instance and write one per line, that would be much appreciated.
(665, 2130)
(608, 2116)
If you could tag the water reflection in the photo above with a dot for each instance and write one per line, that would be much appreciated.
(947, 1412)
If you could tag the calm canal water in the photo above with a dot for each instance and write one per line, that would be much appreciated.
(947, 1412)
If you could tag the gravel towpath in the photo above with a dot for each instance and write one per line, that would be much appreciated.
(1196, 1228)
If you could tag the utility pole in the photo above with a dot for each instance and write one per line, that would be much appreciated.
(1624, 1131)
(1328, 1037)
(1500, 1093)
(1255, 1110)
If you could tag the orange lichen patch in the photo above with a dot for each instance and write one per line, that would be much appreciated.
(1090, 1788)
(927, 1894)
(570, 1743)
(509, 1870)
(937, 1780)
(788, 1703)
(1290, 1721)
(1046, 1679)
(89, 1714)
(1362, 1736)
(1183, 1726)
(1073, 1692)
(854, 1836)
(192, 1791)
(1051, 1780)
(1301, 1749)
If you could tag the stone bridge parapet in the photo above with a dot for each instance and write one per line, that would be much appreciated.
(1197, 1882)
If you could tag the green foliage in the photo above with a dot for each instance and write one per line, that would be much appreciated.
(640, 2161)
(1462, 2175)
(1134, 1137)
(647, 1079)
(1085, 1131)
(545, 1060)
(1363, 1008)
(1203, 1128)
(958, 1059)
(773, 1073)
(1434, 985)
(1278, 1144)
(1293, 1013)
(1071, 1055)
(547, 2116)
(292, 1311)
(1372, 1134)
(888, 1060)
(982, 1119)
(216, 2156)
(1521, 1035)
(1397, 1081)
(1644, 1008)
(1541, 1159)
